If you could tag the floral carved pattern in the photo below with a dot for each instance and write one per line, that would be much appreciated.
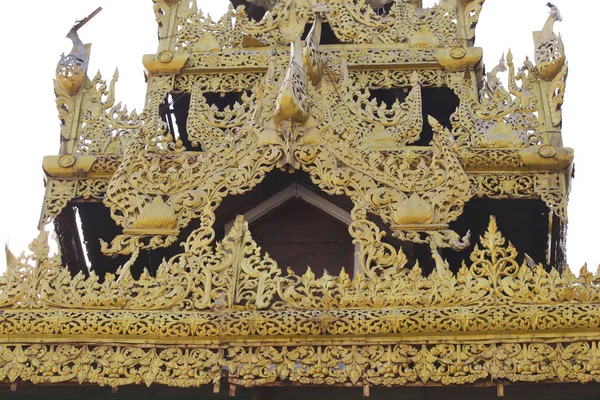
(352, 114)
(234, 273)
(233, 290)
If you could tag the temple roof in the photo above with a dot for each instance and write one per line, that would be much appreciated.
(387, 124)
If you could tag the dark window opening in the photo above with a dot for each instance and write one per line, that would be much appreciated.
(389, 96)
(96, 224)
(222, 100)
(327, 34)
(69, 241)
(558, 245)
(384, 9)
(295, 233)
(253, 11)
(522, 222)
(298, 235)
(440, 103)
(174, 112)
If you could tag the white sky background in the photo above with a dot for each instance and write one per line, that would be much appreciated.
(34, 32)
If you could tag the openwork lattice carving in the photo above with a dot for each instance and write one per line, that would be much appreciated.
(350, 115)
(197, 32)
(498, 118)
(105, 126)
(234, 274)
(357, 22)
(493, 293)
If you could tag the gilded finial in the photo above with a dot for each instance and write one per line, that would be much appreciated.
(549, 48)
(72, 68)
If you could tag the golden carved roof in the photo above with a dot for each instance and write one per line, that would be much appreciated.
(224, 306)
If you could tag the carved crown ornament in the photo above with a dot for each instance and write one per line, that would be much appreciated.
(341, 90)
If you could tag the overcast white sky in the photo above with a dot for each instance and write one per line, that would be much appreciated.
(34, 34)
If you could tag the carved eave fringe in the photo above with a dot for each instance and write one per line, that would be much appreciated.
(494, 319)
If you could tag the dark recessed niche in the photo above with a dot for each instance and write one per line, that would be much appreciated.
(389, 96)
(327, 34)
(96, 224)
(440, 103)
(70, 242)
(384, 9)
(175, 110)
(522, 222)
(253, 11)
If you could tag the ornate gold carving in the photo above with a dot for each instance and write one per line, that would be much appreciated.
(162, 11)
(197, 33)
(219, 82)
(398, 125)
(357, 22)
(192, 185)
(493, 294)
(340, 162)
(397, 78)
(357, 57)
(230, 308)
(207, 124)
(105, 125)
(459, 58)
(498, 118)
(91, 189)
(233, 274)
(58, 194)
(552, 190)
(471, 17)
(109, 365)
(292, 102)
(66, 110)
(348, 364)
(72, 68)
(496, 186)
(311, 59)
(476, 159)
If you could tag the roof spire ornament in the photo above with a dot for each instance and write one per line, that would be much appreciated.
(72, 68)
(549, 48)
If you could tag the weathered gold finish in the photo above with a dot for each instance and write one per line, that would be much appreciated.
(224, 305)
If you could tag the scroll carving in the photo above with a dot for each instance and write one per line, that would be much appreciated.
(556, 96)
(471, 17)
(498, 118)
(231, 310)
(105, 126)
(197, 32)
(347, 364)
(234, 274)
(357, 22)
